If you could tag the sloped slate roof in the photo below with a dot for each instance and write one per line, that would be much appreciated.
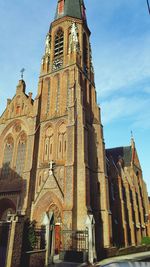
(72, 8)
(124, 152)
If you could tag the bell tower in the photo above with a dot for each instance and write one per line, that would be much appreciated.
(71, 134)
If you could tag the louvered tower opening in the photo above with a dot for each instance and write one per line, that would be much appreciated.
(59, 44)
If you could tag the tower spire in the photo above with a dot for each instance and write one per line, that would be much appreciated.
(132, 141)
(71, 8)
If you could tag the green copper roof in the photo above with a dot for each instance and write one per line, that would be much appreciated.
(72, 8)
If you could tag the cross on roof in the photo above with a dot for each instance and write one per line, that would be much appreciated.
(22, 72)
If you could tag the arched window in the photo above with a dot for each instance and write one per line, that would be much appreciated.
(48, 143)
(8, 154)
(85, 52)
(21, 153)
(51, 140)
(46, 149)
(62, 143)
(59, 44)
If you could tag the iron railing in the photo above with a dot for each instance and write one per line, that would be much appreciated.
(40, 242)
(74, 240)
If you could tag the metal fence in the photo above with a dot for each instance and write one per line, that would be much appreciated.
(33, 237)
(40, 242)
(74, 240)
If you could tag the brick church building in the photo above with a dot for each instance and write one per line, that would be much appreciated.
(53, 164)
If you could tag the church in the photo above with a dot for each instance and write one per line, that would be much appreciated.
(53, 163)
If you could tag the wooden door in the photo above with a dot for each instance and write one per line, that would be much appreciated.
(57, 239)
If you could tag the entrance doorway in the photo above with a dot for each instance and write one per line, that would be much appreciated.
(54, 238)
(57, 238)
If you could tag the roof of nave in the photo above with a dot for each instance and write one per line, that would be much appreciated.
(118, 153)
(126, 155)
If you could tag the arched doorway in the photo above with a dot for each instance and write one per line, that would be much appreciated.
(6, 207)
(49, 211)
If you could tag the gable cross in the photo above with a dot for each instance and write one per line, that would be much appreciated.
(22, 72)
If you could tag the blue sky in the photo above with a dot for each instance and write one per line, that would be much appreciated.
(121, 55)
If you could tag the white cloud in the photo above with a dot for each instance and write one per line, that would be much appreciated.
(122, 107)
(122, 64)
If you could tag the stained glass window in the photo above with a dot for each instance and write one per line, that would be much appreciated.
(21, 154)
(8, 154)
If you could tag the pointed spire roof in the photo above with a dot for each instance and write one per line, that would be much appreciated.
(71, 8)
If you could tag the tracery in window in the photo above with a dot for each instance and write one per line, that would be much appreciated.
(8, 154)
(21, 153)
(59, 44)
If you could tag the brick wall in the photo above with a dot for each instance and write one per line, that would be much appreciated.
(34, 259)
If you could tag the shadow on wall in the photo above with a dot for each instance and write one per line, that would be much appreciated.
(12, 191)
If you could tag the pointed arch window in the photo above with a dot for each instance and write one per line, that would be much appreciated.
(85, 52)
(51, 140)
(48, 144)
(62, 141)
(59, 44)
(8, 154)
(21, 153)
(46, 149)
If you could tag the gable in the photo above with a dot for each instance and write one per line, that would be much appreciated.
(20, 105)
(120, 153)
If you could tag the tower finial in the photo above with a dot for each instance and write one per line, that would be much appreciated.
(132, 139)
(22, 72)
